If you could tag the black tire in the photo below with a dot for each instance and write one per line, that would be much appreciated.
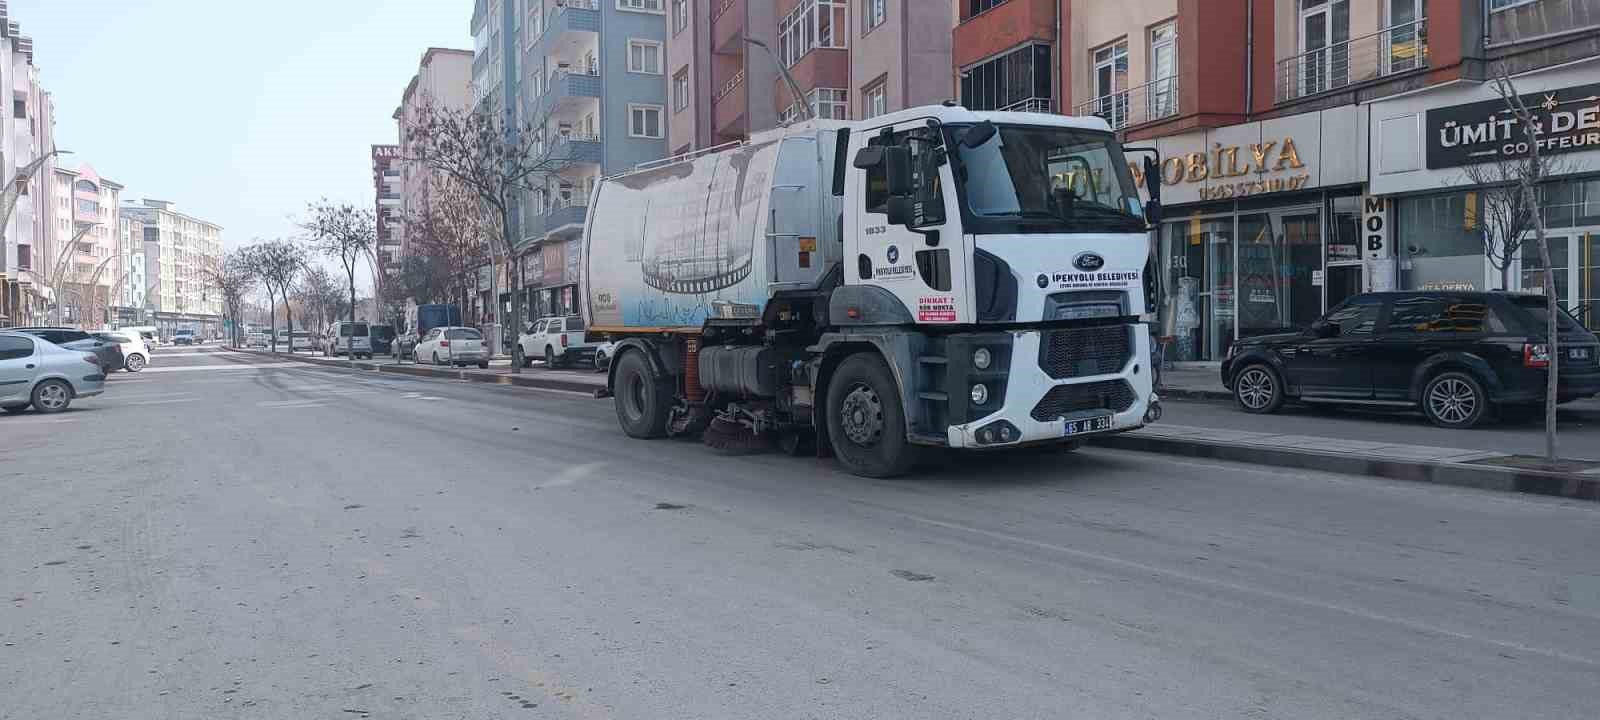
(1454, 400)
(866, 422)
(549, 357)
(484, 365)
(1258, 389)
(642, 401)
(134, 363)
(436, 358)
(52, 396)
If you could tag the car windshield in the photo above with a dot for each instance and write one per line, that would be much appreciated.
(1036, 179)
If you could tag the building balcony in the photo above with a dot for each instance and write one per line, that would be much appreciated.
(819, 68)
(1542, 19)
(567, 86)
(1152, 101)
(572, 149)
(564, 220)
(728, 105)
(1391, 51)
(1001, 27)
(574, 22)
(727, 27)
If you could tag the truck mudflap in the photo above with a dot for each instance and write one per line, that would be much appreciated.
(1039, 408)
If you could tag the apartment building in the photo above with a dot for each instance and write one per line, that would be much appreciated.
(87, 267)
(444, 80)
(386, 190)
(850, 59)
(177, 247)
(131, 297)
(27, 126)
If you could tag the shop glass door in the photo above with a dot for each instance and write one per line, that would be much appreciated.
(1198, 312)
(1343, 281)
(1279, 255)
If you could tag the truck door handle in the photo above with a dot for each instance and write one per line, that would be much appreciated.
(30, 366)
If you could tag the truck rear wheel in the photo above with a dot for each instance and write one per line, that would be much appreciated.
(866, 421)
(642, 401)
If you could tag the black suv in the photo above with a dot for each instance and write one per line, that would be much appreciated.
(1456, 356)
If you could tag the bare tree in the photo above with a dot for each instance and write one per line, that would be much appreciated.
(279, 263)
(494, 161)
(1504, 216)
(1529, 172)
(450, 232)
(233, 275)
(347, 234)
(318, 293)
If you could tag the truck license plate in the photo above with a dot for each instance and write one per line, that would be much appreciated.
(1088, 425)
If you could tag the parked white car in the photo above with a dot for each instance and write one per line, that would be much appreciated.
(559, 340)
(302, 340)
(453, 346)
(354, 338)
(37, 373)
(135, 353)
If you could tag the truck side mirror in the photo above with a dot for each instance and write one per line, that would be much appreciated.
(1152, 184)
(897, 170)
(868, 157)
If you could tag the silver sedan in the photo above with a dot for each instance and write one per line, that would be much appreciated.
(38, 373)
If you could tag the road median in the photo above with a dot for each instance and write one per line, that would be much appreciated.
(537, 380)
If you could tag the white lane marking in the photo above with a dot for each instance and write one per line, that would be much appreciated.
(166, 402)
(228, 366)
(34, 421)
(164, 395)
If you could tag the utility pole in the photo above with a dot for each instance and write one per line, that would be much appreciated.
(794, 87)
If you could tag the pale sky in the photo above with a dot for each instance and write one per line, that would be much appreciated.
(240, 112)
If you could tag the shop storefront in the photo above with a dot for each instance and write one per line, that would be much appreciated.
(1262, 230)
(552, 272)
(1439, 157)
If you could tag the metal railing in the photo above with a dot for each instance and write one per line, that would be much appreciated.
(1397, 49)
(731, 85)
(1033, 105)
(1149, 102)
(1542, 19)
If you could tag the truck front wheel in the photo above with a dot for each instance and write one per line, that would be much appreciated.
(642, 401)
(866, 422)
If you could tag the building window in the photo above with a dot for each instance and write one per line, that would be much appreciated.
(873, 13)
(644, 121)
(1111, 83)
(830, 103)
(680, 15)
(1022, 79)
(1161, 98)
(812, 24)
(1324, 59)
(640, 5)
(644, 56)
(680, 90)
(978, 7)
(875, 100)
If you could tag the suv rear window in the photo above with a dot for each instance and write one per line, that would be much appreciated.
(353, 329)
(464, 334)
(574, 323)
(1534, 306)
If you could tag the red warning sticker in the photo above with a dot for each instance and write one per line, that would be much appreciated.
(936, 309)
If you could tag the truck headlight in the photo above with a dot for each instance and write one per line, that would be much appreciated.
(981, 359)
(980, 394)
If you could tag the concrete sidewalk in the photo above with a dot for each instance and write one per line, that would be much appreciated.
(580, 379)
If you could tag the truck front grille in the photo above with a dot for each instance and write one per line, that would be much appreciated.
(1079, 352)
(1113, 395)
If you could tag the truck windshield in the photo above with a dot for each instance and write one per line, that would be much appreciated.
(1034, 179)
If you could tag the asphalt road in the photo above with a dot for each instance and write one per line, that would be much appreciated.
(225, 538)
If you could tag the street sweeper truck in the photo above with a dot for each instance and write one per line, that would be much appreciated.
(934, 277)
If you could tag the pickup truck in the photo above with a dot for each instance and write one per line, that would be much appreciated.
(559, 340)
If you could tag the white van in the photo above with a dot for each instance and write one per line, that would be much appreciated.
(352, 337)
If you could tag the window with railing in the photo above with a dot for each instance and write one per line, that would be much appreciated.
(1329, 59)
(974, 8)
(812, 24)
(826, 104)
(1022, 80)
(1110, 65)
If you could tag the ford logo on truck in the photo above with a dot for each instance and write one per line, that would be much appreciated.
(1088, 262)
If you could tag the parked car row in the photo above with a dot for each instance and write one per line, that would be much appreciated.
(1458, 357)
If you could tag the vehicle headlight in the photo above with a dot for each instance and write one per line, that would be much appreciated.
(980, 394)
(981, 358)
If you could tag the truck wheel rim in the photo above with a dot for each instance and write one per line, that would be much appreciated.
(861, 416)
(1255, 388)
(1452, 400)
(53, 396)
